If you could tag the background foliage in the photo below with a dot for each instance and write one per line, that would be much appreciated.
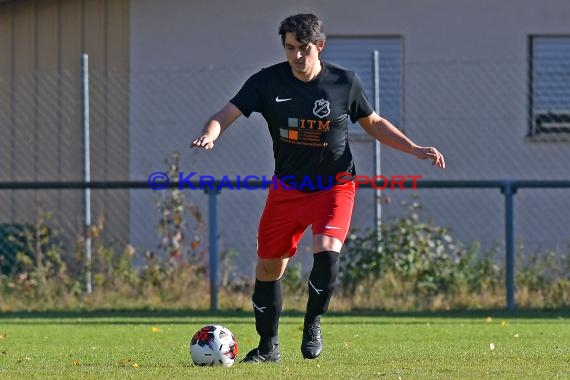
(413, 264)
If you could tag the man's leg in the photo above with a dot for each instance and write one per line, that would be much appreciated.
(280, 229)
(330, 224)
(267, 302)
(322, 282)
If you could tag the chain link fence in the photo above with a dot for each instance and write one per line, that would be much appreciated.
(480, 115)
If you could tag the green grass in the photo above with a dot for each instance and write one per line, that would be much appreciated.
(357, 346)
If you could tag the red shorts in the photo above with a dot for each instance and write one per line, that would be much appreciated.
(288, 213)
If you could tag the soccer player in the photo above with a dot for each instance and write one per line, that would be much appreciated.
(307, 104)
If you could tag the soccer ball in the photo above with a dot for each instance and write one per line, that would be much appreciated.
(214, 345)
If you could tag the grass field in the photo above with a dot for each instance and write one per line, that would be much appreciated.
(154, 345)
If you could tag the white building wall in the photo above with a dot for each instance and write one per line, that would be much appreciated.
(465, 90)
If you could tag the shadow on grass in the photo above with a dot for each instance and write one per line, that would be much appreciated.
(188, 316)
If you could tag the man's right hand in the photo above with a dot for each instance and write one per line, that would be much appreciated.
(216, 125)
(204, 141)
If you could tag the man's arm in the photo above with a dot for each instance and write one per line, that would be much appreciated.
(215, 125)
(385, 132)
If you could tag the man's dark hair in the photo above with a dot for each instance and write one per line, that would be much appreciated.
(305, 27)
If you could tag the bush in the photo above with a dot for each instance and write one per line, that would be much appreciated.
(417, 256)
(24, 245)
(12, 240)
(414, 265)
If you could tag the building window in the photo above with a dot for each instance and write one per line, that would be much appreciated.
(549, 85)
(356, 53)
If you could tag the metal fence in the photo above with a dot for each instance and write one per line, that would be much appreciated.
(478, 113)
(213, 190)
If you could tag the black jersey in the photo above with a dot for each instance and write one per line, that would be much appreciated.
(308, 121)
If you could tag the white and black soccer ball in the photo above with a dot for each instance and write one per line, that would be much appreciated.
(214, 345)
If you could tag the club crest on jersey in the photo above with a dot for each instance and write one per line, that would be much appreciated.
(321, 108)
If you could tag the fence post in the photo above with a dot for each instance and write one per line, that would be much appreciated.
(509, 190)
(86, 172)
(213, 244)
(377, 146)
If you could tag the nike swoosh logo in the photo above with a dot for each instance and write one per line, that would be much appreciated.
(281, 100)
(261, 309)
(327, 227)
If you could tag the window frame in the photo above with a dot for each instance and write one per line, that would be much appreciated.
(357, 131)
(550, 123)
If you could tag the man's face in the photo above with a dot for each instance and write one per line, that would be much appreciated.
(303, 58)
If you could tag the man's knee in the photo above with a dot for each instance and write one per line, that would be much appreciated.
(326, 243)
(270, 270)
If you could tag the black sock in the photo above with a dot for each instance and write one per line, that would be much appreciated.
(267, 304)
(322, 282)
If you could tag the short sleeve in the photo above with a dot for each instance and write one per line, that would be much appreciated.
(358, 106)
(248, 98)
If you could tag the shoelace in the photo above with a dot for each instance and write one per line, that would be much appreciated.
(314, 332)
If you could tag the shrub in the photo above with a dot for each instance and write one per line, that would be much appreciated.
(418, 256)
